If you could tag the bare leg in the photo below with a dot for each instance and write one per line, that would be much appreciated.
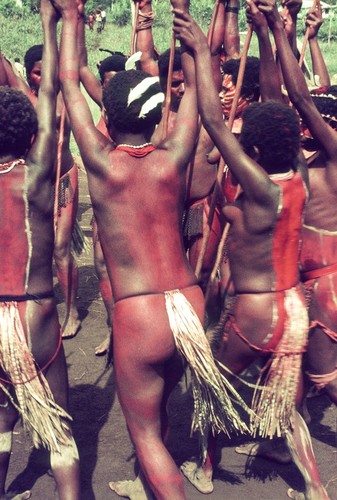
(143, 386)
(104, 287)
(300, 447)
(66, 266)
(64, 465)
(8, 418)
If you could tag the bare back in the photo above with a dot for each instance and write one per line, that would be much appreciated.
(27, 231)
(140, 226)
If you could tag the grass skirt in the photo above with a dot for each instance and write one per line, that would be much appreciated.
(213, 408)
(33, 399)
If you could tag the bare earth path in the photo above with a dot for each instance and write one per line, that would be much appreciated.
(104, 446)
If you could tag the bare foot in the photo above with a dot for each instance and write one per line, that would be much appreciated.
(103, 347)
(272, 450)
(71, 328)
(17, 496)
(196, 475)
(134, 490)
(295, 495)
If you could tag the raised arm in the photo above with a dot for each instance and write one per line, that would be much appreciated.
(182, 138)
(43, 150)
(216, 35)
(314, 21)
(296, 84)
(270, 83)
(90, 141)
(289, 17)
(250, 175)
(144, 41)
(87, 77)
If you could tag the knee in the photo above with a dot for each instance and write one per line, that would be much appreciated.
(67, 455)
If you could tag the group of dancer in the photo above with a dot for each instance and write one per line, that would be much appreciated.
(235, 262)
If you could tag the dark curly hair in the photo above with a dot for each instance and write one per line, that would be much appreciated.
(163, 65)
(251, 78)
(32, 55)
(125, 117)
(325, 100)
(274, 129)
(18, 122)
(115, 62)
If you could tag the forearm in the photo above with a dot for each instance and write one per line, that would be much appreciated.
(216, 31)
(270, 84)
(50, 81)
(69, 61)
(87, 77)
(231, 34)
(208, 101)
(292, 74)
(318, 64)
(144, 40)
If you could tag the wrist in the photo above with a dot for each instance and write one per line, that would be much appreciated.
(70, 14)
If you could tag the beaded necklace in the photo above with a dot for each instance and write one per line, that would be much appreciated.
(8, 166)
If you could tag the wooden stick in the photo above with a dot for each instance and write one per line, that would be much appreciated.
(58, 166)
(134, 29)
(168, 88)
(221, 167)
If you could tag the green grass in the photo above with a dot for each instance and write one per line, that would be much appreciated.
(17, 35)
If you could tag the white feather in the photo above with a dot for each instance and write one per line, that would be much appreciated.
(142, 87)
(151, 104)
(131, 61)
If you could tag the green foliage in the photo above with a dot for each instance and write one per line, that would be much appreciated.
(18, 35)
(121, 12)
(7, 7)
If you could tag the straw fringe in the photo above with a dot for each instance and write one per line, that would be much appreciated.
(274, 403)
(213, 407)
(41, 416)
(79, 241)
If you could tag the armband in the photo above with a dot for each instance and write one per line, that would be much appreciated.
(145, 21)
(234, 10)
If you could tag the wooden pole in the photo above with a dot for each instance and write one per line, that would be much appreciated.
(134, 28)
(168, 88)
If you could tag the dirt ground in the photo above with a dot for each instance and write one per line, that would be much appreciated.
(105, 450)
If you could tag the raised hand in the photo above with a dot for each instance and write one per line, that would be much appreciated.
(187, 30)
(314, 21)
(255, 17)
(269, 8)
(293, 6)
(48, 11)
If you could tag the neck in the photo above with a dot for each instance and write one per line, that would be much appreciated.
(133, 139)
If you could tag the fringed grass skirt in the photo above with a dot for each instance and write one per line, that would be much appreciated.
(41, 416)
